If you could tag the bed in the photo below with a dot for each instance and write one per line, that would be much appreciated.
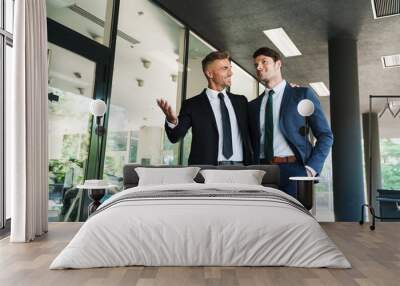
(198, 224)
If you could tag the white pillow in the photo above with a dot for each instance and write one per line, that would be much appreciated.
(248, 177)
(166, 176)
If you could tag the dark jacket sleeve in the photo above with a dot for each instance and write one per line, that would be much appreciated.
(322, 132)
(253, 132)
(248, 147)
(184, 123)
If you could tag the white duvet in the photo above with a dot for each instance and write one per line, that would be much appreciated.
(200, 231)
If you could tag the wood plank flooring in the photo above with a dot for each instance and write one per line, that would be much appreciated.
(374, 255)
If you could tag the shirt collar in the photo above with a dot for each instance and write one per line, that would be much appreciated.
(213, 94)
(279, 88)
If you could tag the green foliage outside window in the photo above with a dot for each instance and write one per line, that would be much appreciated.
(58, 169)
(390, 163)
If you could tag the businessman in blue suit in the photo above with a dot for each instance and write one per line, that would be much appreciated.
(275, 123)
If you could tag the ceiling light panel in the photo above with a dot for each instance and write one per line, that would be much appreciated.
(385, 8)
(320, 88)
(392, 61)
(282, 41)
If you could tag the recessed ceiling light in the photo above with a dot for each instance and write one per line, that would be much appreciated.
(392, 61)
(282, 41)
(320, 88)
(140, 82)
(77, 74)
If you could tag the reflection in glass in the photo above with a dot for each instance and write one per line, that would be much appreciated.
(243, 83)
(324, 193)
(324, 189)
(261, 89)
(1, 17)
(8, 86)
(143, 72)
(71, 80)
(87, 17)
(9, 17)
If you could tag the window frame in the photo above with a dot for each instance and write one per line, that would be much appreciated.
(6, 39)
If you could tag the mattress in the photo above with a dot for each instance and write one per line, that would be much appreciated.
(201, 225)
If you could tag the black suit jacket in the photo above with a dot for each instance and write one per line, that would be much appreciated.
(196, 113)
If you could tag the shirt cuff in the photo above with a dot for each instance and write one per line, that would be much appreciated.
(311, 170)
(171, 125)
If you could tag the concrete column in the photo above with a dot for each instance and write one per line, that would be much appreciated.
(348, 186)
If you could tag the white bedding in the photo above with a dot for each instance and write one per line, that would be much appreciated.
(184, 231)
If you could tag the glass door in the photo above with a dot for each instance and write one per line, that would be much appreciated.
(71, 89)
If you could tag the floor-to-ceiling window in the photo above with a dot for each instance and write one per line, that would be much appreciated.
(148, 65)
(389, 141)
(151, 51)
(390, 162)
(91, 19)
(243, 83)
(324, 189)
(71, 82)
(6, 63)
(80, 59)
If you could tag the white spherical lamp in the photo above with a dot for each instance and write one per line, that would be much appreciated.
(98, 107)
(305, 107)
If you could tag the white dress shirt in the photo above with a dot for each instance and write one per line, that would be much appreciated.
(237, 144)
(281, 147)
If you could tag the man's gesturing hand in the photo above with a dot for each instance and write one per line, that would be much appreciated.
(168, 111)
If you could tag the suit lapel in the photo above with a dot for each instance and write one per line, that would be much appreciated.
(206, 107)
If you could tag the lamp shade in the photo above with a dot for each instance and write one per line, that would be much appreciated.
(98, 107)
(305, 107)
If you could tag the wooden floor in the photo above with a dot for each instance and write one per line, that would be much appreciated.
(374, 255)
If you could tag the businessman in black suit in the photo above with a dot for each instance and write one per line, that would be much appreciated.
(217, 117)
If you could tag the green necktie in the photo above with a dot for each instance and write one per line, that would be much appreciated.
(269, 128)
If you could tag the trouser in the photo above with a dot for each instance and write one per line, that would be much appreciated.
(288, 170)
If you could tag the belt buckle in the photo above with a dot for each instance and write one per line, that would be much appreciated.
(280, 160)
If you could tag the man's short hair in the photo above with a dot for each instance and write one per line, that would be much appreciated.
(268, 52)
(213, 56)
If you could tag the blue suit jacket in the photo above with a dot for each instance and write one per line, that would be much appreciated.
(290, 122)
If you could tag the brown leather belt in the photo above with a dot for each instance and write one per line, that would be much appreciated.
(281, 160)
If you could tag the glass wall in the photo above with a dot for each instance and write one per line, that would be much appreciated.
(148, 65)
(9, 19)
(243, 83)
(390, 163)
(71, 80)
(323, 209)
(82, 16)
(143, 72)
(261, 88)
